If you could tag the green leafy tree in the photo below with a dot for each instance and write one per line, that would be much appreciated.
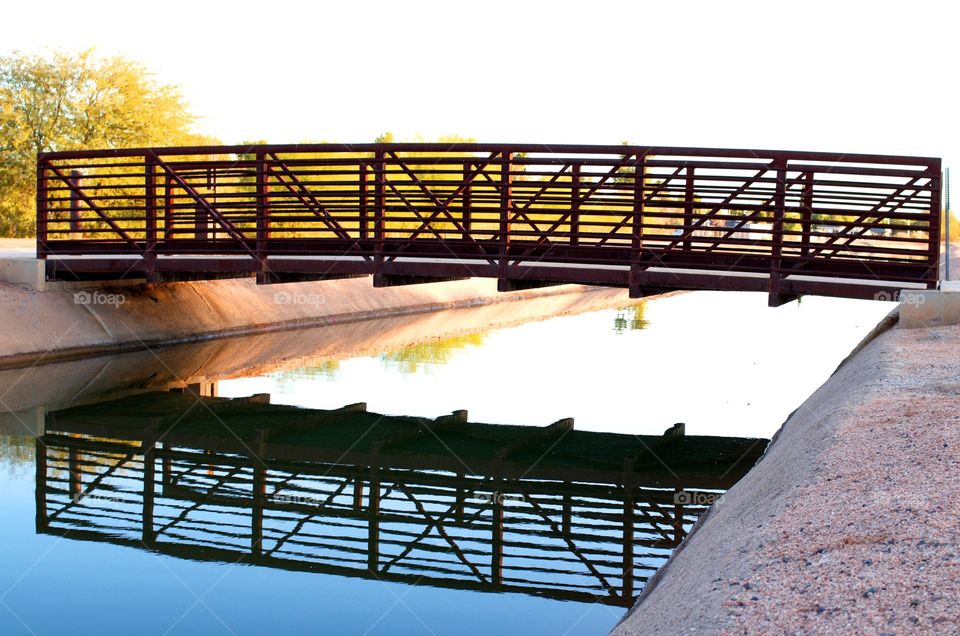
(66, 101)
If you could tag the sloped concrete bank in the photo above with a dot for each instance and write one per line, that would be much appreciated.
(66, 383)
(56, 325)
(848, 524)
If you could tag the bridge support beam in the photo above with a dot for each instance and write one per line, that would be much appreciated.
(396, 280)
(270, 277)
(175, 276)
(637, 291)
(517, 284)
(775, 299)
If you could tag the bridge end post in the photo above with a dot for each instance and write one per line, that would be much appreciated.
(936, 216)
(42, 249)
(636, 252)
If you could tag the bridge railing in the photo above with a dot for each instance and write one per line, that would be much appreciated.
(602, 214)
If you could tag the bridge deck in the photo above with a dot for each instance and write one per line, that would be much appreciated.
(649, 219)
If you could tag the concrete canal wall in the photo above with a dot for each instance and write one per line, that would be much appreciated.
(848, 524)
(74, 322)
(85, 380)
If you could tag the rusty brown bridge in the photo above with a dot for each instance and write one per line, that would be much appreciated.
(650, 219)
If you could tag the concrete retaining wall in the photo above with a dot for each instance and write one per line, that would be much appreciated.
(930, 307)
(67, 323)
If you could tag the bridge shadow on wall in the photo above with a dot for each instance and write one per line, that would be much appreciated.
(549, 511)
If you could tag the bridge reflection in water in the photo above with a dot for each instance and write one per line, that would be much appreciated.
(550, 511)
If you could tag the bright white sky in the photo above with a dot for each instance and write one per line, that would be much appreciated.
(831, 76)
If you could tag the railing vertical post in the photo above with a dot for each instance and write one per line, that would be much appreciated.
(149, 488)
(168, 218)
(936, 215)
(42, 209)
(775, 298)
(461, 498)
(357, 494)
(496, 536)
(639, 200)
(506, 202)
(75, 475)
(807, 212)
(166, 467)
(688, 197)
(373, 521)
(628, 520)
(945, 188)
(380, 210)
(200, 226)
(150, 201)
(76, 226)
(263, 218)
(467, 199)
(363, 222)
(40, 453)
(256, 513)
(575, 204)
(677, 518)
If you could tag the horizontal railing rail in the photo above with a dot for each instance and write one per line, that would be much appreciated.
(647, 218)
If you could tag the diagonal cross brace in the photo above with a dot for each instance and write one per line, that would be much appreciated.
(627, 218)
(213, 212)
(435, 522)
(308, 517)
(872, 212)
(688, 233)
(420, 216)
(76, 190)
(570, 544)
(443, 207)
(545, 236)
(731, 231)
(92, 486)
(306, 197)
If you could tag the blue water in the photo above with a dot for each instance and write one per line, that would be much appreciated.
(723, 363)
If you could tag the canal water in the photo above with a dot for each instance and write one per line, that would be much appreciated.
(76, 557)
(722, 363)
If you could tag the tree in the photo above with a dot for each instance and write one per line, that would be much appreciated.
(74, 101)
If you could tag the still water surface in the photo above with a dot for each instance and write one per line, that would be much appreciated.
(722, 363)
